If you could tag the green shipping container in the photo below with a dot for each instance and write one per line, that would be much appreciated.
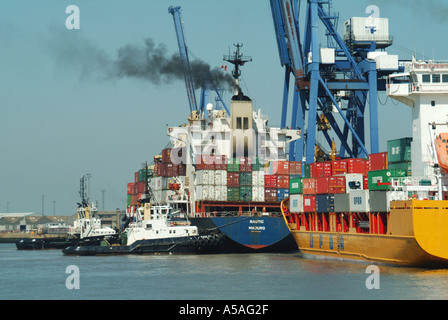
(307, 173)
(295, 186)
(233, 194)
(245, 193)
(383, 177)
(233, 165)
(245, 178)
(129, 200)
(142, 172)
(405, 166)
(399, 150)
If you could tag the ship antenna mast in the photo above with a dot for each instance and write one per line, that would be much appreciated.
(238, 60)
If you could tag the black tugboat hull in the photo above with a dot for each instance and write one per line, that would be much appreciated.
(60, 243)
(182, 245)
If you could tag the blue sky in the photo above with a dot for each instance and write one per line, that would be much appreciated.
(60, 118)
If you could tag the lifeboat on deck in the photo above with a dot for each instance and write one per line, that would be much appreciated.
(442, 150)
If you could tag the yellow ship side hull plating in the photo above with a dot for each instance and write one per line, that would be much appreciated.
(417, 235)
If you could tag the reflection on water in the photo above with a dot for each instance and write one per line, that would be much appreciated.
(191, 277)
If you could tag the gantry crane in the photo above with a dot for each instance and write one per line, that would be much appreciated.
(321, 84)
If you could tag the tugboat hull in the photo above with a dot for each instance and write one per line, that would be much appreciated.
(179, 245)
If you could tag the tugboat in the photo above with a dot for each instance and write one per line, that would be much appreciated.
(154, 229)
(86, 230)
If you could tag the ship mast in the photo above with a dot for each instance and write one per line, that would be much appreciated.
(238, 60)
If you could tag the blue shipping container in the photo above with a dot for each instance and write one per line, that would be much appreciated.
(282, 194)
(325, 203)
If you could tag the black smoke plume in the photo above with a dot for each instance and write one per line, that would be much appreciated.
(146, 61)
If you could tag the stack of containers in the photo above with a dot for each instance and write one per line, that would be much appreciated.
(211, 178)
(233, 180)
(399, 155)
(245, 179)
(258, 190)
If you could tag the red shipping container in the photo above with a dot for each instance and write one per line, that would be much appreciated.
(141, 187)
(378, 161)
(270, 181)
(295, 167)
(336, 184)
(313, 170)
(233, 179)
(366, 182)
(309, 204)
(129, 188)
(245, 167)
(208, 162)
(245, 161)
(160, 169)
(322, 185)
(166, 155)
(283, 181)
(136, 176)
(270, 195)
(182, 169)
(283, 167)
(309, 186)
(220, 162)
(356, 166)
(339, 167)
(323, 169)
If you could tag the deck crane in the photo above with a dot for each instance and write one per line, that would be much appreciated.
(183, 50)
(341, 72)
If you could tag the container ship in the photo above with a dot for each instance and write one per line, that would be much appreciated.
(391, 208)
(228, 172)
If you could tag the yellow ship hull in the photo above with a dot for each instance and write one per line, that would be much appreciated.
(416, 235)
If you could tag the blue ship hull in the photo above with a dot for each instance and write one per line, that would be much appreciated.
(249, 234)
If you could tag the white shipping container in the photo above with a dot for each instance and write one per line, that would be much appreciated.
(359, 201)
(258, 178)
(295, 203)
(220, 178)
(220, 193)
(257, 194)
(353, 181)
(367, 29)
(327, 55)
(205, 177)
(387, 62)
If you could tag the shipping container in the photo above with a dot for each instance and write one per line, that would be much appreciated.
(166, 155)
(295, 168)
(322, 185)
(309, 186)
(296, 203)
(233, 194)
(183, 169)
(220, 193)
(339, 167)
(205, 192)
(283, 181)
(309, 203)
(307, 170)
(295, 185)
(337, 184)
(357, 166)
(129, 200)
(341, 202)
(380, 200)
(233, 179)
(282, 194)
(220, 178)
(220, 162)
(359, 201)
(233, 165)
(325, 203)
(136, 177)
(270, 181)
(258, 178)
(404, 166)
(129, 188)
(323, 169)
(279, 167)
(381, 179)
(245, 193)
(258, 193)
(399, 150)
(270, 194)
(313, 170)
(354, 181)
(205, 177)
(245, 178)
(378, 161)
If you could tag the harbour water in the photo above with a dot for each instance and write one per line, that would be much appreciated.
(49, 275)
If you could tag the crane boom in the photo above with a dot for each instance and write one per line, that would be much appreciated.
(183, 50)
